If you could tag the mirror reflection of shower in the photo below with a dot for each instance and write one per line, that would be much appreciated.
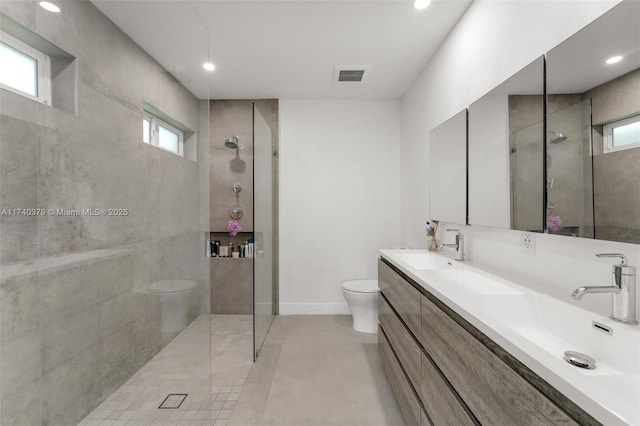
(232, 142)
(557, 137)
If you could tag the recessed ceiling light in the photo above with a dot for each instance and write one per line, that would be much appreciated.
(208, 66)
(421, 4)
(49, 6)
(614, 59)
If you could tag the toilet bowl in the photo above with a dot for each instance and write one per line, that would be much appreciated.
(175, 296)
(362, 298)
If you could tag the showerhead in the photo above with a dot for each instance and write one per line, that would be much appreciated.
(558, 137)
(232, 142)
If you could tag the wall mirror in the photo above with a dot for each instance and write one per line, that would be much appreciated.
(593, 123)
(506, 159)
(448, 170)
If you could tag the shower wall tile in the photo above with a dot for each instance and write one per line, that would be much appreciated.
(20, 354)
(232, 286)
(18, 190)
(23, 11)
(69, 389)
(75, 319)
(616, 174)
(617, 199)
(616, 99)
(231, 118)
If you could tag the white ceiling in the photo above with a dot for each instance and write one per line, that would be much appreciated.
(287, 49)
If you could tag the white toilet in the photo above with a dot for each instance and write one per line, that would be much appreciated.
(175, 296)
(362, 298)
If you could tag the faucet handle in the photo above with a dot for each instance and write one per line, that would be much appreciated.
(620, 255)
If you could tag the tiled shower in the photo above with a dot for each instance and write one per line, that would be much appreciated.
(92, 217)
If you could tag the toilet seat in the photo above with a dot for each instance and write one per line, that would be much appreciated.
(172, 286)
(361, 286)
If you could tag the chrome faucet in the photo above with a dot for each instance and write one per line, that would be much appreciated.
(459, 244)
(623, 290)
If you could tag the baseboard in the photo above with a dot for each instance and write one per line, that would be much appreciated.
(314, 309)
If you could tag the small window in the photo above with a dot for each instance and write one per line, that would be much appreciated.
(25, 70)
(159, 133)
(623, 134)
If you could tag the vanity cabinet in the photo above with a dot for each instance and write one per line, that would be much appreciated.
(452, 372)
(404, 298)
(440, 400)
(494, 392)
(405, 346)
(407, 400)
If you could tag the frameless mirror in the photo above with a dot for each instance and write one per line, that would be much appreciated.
(506, 140)
(448, 170)
(593, 122)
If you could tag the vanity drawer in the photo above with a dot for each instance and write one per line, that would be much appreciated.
(401, 341)
(424, 421)
(409, 405)
(439, 400)
(404, 298)
(495, 394)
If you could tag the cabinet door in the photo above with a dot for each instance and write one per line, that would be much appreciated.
(409, 405)
(400, 339)
(495, 394)
(439, 400)
(404, 298)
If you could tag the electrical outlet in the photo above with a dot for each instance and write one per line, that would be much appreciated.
(528, 243)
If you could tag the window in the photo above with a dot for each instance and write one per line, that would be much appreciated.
(159, 133)
(623, 134)
(25, 70)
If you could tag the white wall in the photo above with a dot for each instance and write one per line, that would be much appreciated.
(339, 197)
(492, 41)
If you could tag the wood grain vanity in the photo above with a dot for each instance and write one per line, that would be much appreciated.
(444, 371)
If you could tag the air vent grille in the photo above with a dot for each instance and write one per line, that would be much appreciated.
(351, 75)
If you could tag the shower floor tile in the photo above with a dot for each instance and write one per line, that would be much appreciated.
(213, 376)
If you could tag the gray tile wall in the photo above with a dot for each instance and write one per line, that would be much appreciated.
(232, 281)
(616, 174)
(75, 319)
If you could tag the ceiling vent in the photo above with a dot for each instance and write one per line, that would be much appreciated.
(350, 73)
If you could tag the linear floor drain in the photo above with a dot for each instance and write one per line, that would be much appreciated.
(173, 401)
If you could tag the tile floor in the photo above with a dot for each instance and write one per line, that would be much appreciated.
(312, 370)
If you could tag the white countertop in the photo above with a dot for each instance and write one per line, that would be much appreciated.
(536, 329)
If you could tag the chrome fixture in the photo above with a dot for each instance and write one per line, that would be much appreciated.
(601, 327)
(558, 137)
(232, 142)
(623, 290)
(459, 244)
(236, 212)
(580, 360)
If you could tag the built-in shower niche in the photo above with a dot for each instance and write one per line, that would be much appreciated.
(231, 278)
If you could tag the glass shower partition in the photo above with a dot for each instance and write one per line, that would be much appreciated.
(264, 219)
(570, 168)
(102, 261)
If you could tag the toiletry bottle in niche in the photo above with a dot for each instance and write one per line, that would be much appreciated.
(230, 248)
(250, 248)
(208, 248)
(216, 248)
